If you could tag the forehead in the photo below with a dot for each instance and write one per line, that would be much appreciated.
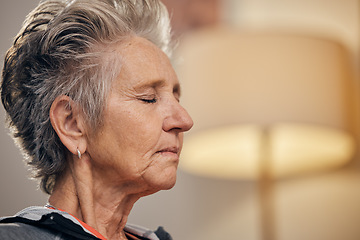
(141, 59)
(134, 47)
(143, 67)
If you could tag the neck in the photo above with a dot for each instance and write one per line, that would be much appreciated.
(99, 204)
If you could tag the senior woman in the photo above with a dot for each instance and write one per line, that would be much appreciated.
(93, 102)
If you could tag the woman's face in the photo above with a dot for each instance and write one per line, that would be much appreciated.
(141, 137)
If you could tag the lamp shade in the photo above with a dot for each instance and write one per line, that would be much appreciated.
(237, 152)
(279, 96)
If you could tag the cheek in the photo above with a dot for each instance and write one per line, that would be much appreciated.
(141, 138)
(142, 131)
(131, 135)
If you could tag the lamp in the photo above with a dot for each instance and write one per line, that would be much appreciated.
(235, 152)
(265, 106)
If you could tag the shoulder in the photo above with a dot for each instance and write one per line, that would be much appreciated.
(159, 234)
(21, 231)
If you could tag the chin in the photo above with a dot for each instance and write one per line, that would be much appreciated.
(169, 185)
(163, 181)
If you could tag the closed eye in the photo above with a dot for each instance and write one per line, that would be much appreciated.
(152, 100)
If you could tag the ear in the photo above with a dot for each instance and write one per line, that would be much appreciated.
(68, 123)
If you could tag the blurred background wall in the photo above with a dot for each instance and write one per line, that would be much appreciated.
(315, 207)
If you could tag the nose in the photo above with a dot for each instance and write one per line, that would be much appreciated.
(177, 119)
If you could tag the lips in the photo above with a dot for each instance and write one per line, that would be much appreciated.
(169, 150)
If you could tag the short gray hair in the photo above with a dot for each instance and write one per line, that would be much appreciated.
(60, 50)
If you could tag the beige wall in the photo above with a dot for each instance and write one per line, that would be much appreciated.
(318, 207)
(334, 18)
